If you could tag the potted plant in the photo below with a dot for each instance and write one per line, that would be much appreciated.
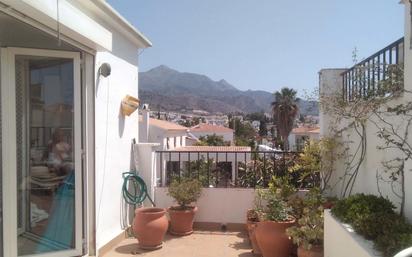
(308, 234)
(150, 226)
(274, 219)
(252, 218)
(184, 191)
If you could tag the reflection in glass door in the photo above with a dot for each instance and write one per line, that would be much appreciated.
(48, 160)
(45, 171)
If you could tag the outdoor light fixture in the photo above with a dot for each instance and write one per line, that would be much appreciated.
(105, 69)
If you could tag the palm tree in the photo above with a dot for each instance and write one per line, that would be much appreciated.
(285, 110)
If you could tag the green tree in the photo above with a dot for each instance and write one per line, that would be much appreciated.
(285, 110)
(212, 140)
(244, 133)
(263, 131)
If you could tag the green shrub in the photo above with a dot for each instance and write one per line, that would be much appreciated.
(360, 206)
(272, 203)
(185, 191)
(390, 244)
(309, 231)
(375, 219)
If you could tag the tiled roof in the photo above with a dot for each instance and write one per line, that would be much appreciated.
(213, 149)
(315, 131)
(166, 125)
(305, 130)
(203, 127)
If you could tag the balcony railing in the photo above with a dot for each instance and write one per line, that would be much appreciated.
(365, 78)
(246, 169)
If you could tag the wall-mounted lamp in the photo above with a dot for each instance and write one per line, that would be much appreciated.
(105, 69)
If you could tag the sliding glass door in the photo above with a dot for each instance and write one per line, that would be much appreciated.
(41, 103)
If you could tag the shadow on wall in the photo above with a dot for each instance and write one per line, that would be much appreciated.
(121, 119)
(97, 83)
(127, 210)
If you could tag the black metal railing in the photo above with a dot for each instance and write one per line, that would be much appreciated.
(364, 79)
(245, 169)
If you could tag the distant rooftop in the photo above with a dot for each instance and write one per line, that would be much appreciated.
(306, 130)
(203, 127)
(166, 125)
(213, 149)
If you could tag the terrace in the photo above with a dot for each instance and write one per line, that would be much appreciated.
(230, 178)
(226, 176)
(200, 243)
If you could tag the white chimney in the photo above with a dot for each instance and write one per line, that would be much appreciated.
(145, 128)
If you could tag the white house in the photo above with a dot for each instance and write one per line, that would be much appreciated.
(298, 137)
(167, 134)
(256, 124)
(204, 129)
(65, 68)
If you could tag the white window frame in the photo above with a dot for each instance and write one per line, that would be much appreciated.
(9, 180)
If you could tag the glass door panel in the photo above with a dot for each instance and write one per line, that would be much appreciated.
(45, 168)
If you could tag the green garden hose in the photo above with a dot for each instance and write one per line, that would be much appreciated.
(134, 189)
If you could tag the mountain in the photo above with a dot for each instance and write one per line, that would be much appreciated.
(172, 90)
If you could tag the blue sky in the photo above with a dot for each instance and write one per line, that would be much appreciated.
(262, 44)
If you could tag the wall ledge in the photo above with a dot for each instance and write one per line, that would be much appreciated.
(340, 240)
(148, 144)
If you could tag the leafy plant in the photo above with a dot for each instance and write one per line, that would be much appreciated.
(375, 218)
(309, 163)
(315, 164)
(282, 188)
(185, 191)
(357, 207)
(310, 229)
(212, 140)
(309, 232)
(272, 203)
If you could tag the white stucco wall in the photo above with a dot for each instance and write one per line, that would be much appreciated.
(408, 86)
(159, 135)
(341, 241)
(366, 181)
(114, 134)
(221, 205)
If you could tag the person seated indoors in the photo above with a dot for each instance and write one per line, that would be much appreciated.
(59, 154)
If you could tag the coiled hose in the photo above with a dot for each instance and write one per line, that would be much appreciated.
(134, 189)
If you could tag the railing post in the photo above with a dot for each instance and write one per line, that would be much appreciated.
(161, 169)
(236, 170)
(208, 170)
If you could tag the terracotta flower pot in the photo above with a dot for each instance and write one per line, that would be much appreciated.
(272, 239)
(315, 251)
(181, 221)
(150, 226)
(328, 205)
(251, 228)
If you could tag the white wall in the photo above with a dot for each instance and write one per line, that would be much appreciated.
(366, 181)
(114, 134)
(408, 86)
(341, 241)
(222, 205)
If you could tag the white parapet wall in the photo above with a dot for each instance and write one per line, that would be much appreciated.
(340, 240)
(218, 205)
